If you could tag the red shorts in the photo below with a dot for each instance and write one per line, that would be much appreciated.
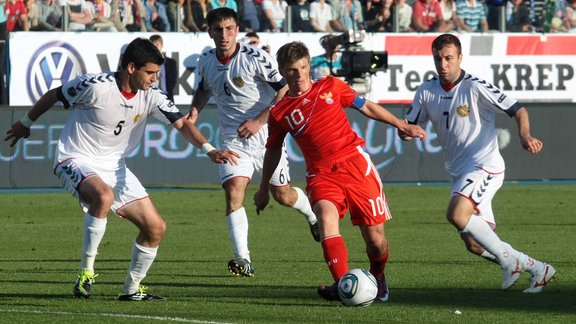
(352, 184)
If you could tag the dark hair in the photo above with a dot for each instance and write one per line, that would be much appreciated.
(141, 51)
(445, 40)
(290, 53)
(156, 38)
(252, 34)
(219, 14)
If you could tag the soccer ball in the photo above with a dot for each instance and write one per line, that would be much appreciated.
(357, 287)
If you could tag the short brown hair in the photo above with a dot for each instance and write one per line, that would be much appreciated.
(290, 53)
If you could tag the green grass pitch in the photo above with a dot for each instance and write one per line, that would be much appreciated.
(432, 278)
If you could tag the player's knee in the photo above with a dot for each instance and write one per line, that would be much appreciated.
(156, 232)
(102, 199)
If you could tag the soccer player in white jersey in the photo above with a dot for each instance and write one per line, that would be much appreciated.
(108, 114)
(462, 109)
(244, 81)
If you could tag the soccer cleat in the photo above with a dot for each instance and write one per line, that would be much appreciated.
(540, 279)
(241, 267)
(83, 285)
(315, 230)
(510, 274)
(140, 295)
(329, 292)
(383, 293)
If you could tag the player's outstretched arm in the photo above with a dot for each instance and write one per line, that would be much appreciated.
(374, 111)
(21, 128)
(529, 143)
(194, 136)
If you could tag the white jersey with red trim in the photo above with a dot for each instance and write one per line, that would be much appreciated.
(242, 87)
(464, 120)
(104, 126)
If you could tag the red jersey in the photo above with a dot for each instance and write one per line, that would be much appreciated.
(13, 11)
(430, 13)
(317, 122)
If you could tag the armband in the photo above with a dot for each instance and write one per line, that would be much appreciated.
(26, 121)
(207, 147)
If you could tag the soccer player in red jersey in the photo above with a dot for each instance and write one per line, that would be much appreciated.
(340, 175)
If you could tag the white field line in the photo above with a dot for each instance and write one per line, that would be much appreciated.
(146, 317)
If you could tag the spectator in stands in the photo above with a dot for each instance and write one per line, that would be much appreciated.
(195, 15)
(249, 13)
(449, 12)
(16, 16)
(173, 13)
(153, 19)
(471, 16)
(214, 4)
(32, 13)
(320, 16)
(493, 12)
(301, 16)
(329, 63)
(347, 15)
(404, 20)
(570, 16)
(537, 14)
(80, 14)
(275, 15)
(379, 17)
(518, 19)
(102, 14)
(132, 13)
(49, 16)
(2, 30)
(427, 17)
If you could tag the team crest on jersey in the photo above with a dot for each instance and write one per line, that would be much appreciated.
(463, 110)
(327, 96)
(238, 82)
(137, 118)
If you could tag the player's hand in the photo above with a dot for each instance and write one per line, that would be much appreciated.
(16, 132)
(261, 200)
(408, 131)
(223, 156)
(192, 115)
(531, 144)
(248, 128)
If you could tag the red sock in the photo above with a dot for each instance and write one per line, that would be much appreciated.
(336, 256)
(378, 263)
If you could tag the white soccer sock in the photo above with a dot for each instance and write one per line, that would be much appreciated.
(529, 264)
(238, 230)
(142, 259)
(487, 238)
(93, 231)
(302, 204)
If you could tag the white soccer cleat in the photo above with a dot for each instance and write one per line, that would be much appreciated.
(510, 274)
(540, 279)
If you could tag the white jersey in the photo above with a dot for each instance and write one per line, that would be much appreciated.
(464, 119)
(103, 126)
(242, 87)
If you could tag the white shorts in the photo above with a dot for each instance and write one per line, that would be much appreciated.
(479, 186)
(251, 159)
(126, 187)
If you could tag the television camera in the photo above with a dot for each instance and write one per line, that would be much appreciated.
(357, 64)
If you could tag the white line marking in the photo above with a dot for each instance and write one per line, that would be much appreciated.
(158, 318)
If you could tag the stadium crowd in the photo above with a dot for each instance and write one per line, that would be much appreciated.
(291, 15)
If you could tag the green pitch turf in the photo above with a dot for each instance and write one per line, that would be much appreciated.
(431, 277)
